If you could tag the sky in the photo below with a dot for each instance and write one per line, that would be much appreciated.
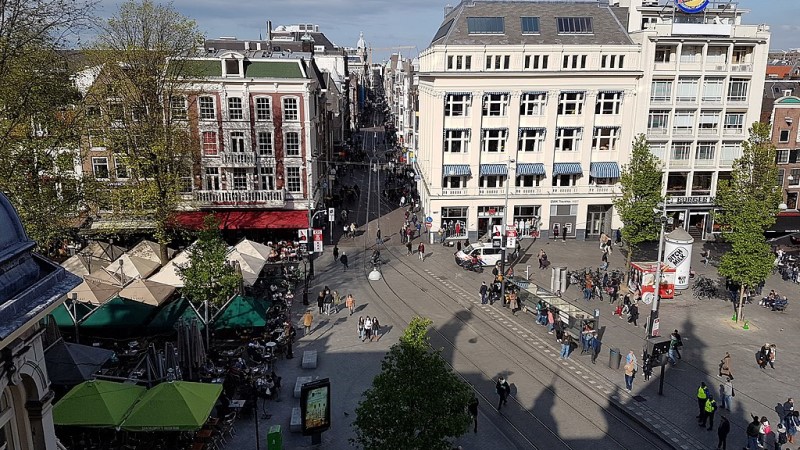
(391, 23)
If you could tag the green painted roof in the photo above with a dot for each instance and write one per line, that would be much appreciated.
(272, 69)
(119, 313)
(243, 312)
(790, 100)
(197, 68)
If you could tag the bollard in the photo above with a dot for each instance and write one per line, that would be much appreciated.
(614, 358)
(746, 325)
(734, 317)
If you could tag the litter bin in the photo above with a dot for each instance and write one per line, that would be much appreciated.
(274, 438)
(614, 358)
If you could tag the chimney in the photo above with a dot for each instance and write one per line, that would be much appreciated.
(269, 30)
(448, 9)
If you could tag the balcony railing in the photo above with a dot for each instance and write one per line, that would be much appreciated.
(741, 67)
(611, 189)
(732, 131)
(240, 198)
(238, 159)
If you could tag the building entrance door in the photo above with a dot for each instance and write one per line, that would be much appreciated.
(697, 225)
(485, 224)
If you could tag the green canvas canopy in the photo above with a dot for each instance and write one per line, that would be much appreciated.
(173, 406)
(96, 403)
(242, 312)
(169, 315)
(63, 317)
(119, 313)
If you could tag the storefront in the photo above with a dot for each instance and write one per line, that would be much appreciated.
(489, 216)
(454, 218)
(598, 220)
(563, 218)
(526, 218)
(693, 213)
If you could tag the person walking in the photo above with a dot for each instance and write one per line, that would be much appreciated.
(472, 407)
(343, 259)
(752, 433)
(376, 328)
(290, 333)
(378, 240)
(672, 351)
(335, 252)
(633, 314)
(763, 430)
(483, 290)
(722, 433)
(328, 304)
(677, 336)
(792, 423)
(725, 369)
(402, 201)
(630, 370)
(503, 390)
(542, 256)
(421, 251)
(361, 328)
(308, 319)
(708, 413)
(367, 329)
(408, 248)
(702, 395)
(566, 347)
(321, 301)
(350, 303)
(337, 300)
(726, 393)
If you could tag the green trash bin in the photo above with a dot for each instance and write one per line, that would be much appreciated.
(274, 438)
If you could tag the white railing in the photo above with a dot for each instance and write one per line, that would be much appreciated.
(450, 191)
(239, 198)
(657, 131)
(491, 191)
(683, 131)
(238, 159)
(732, 131)
(708, 131)
(741, 67)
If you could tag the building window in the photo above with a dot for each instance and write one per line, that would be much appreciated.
(737, 89)
(498, 62)
(239, 179)
(232, 66)
(574, 25)
(119, 165)
(713, 89)
(100, 167)
(457, 105)
(455, 182)
(452, 215)
(663, 54)
(265, 147)
(266, 178)
(293, 179)
(292, 144)
(731, 151)
(734, 122)
(210, 145)
(536, 62)
(782, 157)
(531, 139)
(705, 150)
(794, 177)
(687, 89)
(781, 175)
(492, 181)
(235, 111)
(691, 53)
(207, 110)
(570, 103)
(568, 139)
(237, 141)
(605, 138)
(456, 141)
(709, 121)
(658, 122)
(494, 140)
(564, 180)
(529, 25)
(177, 107)
(529, 180)
(291, 111)
(459, 62)
(608, 103)
(783, 137)
(661, 91)
(574, 62)
(211, 180)
(263, 108)
(116, 111)
(701, 183)
(658, 149)
(741, 55)
(684, 122)
(495, 104)
(96, 139)
(676, 183)
(612, 61)
(681, 151)
(532, 103)
(486, 25)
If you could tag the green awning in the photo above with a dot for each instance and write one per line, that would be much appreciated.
(119, 313)
(173, 406)
(96, 403)
(242, 312)
(63, 317)
(171, 314)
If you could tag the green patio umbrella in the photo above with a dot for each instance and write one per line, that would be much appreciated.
(242, 312)
(119, 313)
(169, 315)
(96, 403)
(63, 316)
(173, 406)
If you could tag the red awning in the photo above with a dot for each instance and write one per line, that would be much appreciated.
(245, 220)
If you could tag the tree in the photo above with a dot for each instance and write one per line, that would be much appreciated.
(640, 182)
(207, 276)
(416, 402)
(38, 142)
(144, 110)
(748, 204)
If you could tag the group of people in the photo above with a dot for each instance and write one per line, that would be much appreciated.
(368, 328)
(328, 303)
(774, 301)
(283, 251)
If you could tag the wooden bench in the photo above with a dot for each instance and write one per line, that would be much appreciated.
(298, 385)
(294, 425)
(310, 359)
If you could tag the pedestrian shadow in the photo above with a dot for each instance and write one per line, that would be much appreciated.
(340, 320)
(360, 307)
(385, 329)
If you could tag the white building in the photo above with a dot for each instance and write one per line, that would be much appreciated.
(550, 96)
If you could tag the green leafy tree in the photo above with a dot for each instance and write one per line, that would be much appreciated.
(144, 109)
(640, 182)
(416, 402)
(207, 276)
(748, 204)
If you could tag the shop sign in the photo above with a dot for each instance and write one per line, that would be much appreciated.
(563, 202)
(691, 6)
(692, 200)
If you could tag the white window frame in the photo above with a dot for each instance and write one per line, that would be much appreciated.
(687, 89)
(568, 139)
(266, 143)
(456, 141)
(731, 124)
(683, 120)
(98, 162)
(709, 120)
(661, 91)
(119, 166)
(495, 105)
(663, 54)
(207, 107)
(694, 56)
(571, 101)
(493, 140)
(211, 179)
(608, 103)
(492, 181)
(292, 146)
(717, 87)
(738, 89)
(266, 178)
(658, 117)
(455, 182)
(782, 156)
(240, 179)
(235, 108)
(705, 150)
(532, 103)
(531, 140)
(294, 182)
(178, 107)
(457, 105)
(263, 107)
(681, 151)
(607, 137)
(291, 109)
(238, 142)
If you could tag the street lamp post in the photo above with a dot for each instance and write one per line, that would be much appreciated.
(653, 322)
(503, 238)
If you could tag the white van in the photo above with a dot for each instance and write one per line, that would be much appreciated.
(488, 255)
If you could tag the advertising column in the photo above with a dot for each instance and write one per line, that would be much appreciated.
(678, 254)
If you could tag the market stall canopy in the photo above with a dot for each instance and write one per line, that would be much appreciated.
(119, 313)
(132, 267)
(94, 292)
(147, 291)
(96, 403)
(63, 314)
(101, 251)
(104, 276)
(252, 248)
(69, 364)
(169, 273)
(167, 318)
(173, 406)
(250, 265)
(151, 251)
(242, 312)
(77, 265)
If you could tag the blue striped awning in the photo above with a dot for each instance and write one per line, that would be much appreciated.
(494, 169)
(460, 93)
(530, 169)
(534, 92)
(524, 129)
(567, 169)
(604, 170)
(495, 93)
(444, 132)
(456, 170)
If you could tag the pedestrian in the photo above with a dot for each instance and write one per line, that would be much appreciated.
(503, 390)
(551, 323)
(630, 370)
(321, 301)
(308, 319)
(335, 252)
(708, 413)
(376, 328)
(752, 433)
(350, 303)
(788, 406)
(421, 251)
(378, 240)
(402, 201)
(343, 259)
(725, 367)
(555, 231)
(543, 263)
(566, 346)
(367, 329)
(671, 351)
(328, 304)
(679, 345)
(722, 433)
(337, 300)
(408, 247)
(763, 430)
(361, 328)
(604, 261)
(780, 436)
(483, 290)
(631, 357)
(633, 314)
(792, 422)
(472, 407)
(305, 297)
(513, 300)
(702, 395)
(726, 393)
(595, 344)
(290, 333)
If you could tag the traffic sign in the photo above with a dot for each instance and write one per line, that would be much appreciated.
(317, 240)
(428, 224)
(429, 219)
(331, 215)
(511, 237)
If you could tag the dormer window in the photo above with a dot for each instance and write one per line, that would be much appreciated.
(232, 66)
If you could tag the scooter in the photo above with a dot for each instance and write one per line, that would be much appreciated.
(473, 266)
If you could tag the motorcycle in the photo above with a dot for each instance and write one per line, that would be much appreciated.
(474, 266)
